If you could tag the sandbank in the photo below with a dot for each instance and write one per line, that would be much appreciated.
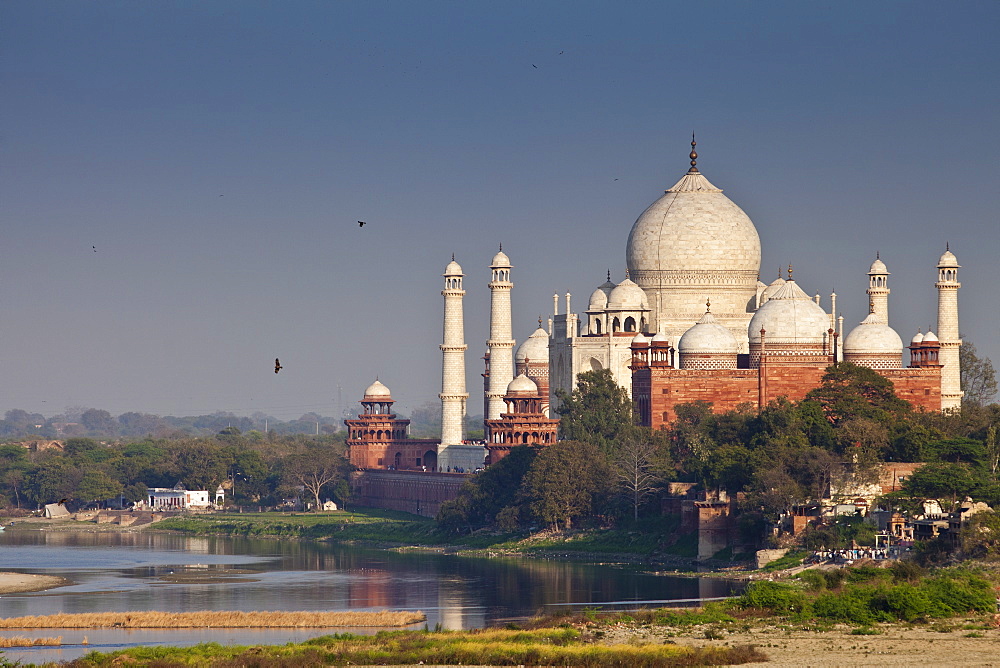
(16, 583)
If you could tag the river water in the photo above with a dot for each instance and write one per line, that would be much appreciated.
(118, 572)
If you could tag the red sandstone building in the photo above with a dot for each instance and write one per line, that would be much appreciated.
(379, 440)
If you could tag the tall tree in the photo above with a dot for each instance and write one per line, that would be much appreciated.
(564, 480)
(598, 411)
(978, 378)
(315, 469)
(640, 464)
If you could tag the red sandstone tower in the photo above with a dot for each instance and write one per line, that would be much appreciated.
(524, 423)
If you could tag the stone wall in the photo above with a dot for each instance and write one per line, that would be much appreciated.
(409, 491)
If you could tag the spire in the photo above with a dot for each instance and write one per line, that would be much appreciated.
(694, 156)
(501, 246)
(789, 271)
(626, 274)
(877, 256)
(708, 306)
(452, 257)
(609, 275)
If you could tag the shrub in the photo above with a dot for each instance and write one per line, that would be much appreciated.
(774, 596)
(850, 606)
(908, 602)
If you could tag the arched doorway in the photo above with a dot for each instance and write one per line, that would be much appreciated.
(431, 460)
(398, 460)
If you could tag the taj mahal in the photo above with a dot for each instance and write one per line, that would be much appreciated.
(691, 321)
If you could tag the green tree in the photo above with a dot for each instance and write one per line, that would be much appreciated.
(486, 494)
(851, 392)
(97, 486)
(99, 422)
(978, 377)
(564, 480)
(943, 480)
(598, 411)
(314, 469)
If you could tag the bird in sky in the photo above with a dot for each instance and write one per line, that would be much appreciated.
(361, 223)
(277, 365)
(535, 66)
(95, 248)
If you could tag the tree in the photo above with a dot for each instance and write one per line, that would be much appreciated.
(564, 480)
(850, 392)
(99, 422)
(978, 378)
(488, 493)
(598, 411)
(98, 486)
(941, 481)
(640, 465)
(315, 469)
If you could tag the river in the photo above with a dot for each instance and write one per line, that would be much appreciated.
(153, 571)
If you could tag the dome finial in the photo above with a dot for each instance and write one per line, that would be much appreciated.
(877, 256)
(708, 305)
(626, 274)
(539, 321)
(779, 272)
(501, 246)
(609, 275)
(789, 271)
(947, 246)
(871, 305)
(452, 257)
(693, 156)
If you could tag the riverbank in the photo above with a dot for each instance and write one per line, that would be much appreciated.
(19, 583)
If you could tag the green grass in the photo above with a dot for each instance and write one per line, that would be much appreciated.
(538, 647)
(790, 560)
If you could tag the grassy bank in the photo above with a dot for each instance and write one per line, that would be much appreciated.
(497, 647)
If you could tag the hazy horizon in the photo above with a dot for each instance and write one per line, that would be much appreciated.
(180, 182)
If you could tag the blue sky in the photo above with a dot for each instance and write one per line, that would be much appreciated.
(218, 155)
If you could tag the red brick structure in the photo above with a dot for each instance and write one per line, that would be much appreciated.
(787, 361)
(524, 423)
(409, 491)
(378, 439)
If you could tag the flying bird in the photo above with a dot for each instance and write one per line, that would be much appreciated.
(95, 248)
(535, 66)
(277, 365)
(63, 502)
(361, 223)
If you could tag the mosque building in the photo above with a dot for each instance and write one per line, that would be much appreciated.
(691, 321)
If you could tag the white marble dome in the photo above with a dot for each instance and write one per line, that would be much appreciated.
(598, 300)
(377, 391)
(931, 337)
(660, 337)
(948, 260)
(769, 291)
(627, 296)
(639, 338)
(917, 338)
(500, 260)
(790, 316)
(872, 337)
(878, 267)
(522, 385)
(534, 348)
(693, 227)
(708, 337)
(453, 269)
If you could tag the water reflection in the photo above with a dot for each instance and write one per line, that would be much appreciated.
(147, 571)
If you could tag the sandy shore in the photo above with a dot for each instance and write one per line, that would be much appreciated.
(931, 645)
(14, 583)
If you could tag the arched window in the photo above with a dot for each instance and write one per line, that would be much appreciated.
(597, 325)
(616, 325)
(630, 324)
(595, 364)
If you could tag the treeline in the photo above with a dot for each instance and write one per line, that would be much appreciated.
(610, 471)
(255, 469)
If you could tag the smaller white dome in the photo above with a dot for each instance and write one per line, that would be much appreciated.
(878, 267)
(948, 260)
(534, 349)
(660, 337)
(639, 338)
(790, 316)
(627, 296)
(453, 269)
(917, 338)
(598, 300)
(522, 385)
(377, 390)
(772, 288)
(930, 337)
(708, 336)
(500, 260)
(872, 337)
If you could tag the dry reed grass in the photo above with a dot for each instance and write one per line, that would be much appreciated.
(20, 641)
(213, 619)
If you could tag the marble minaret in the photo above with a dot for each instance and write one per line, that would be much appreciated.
(501, 341)
(453, 394)
(947, 331)
(878, 290)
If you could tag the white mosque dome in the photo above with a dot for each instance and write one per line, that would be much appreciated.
(535, 347)
(948, 260)
(930, 337)
(453, 269)
(878, 267)
(693, 227)
(872, 337)
(917, 338)
(500, 260)
(772, 288)
(708, 337)
(377, 391)
(639, 338)
(660, 337)
(627, 296)
(522, 385)
(598, 300)
(790, 316)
